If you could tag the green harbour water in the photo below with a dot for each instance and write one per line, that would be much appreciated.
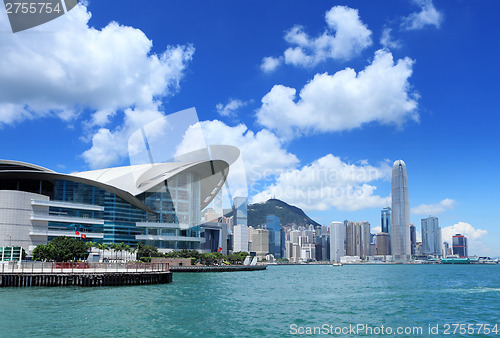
(276, 302)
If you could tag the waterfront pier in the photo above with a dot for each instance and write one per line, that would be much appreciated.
(83, 274)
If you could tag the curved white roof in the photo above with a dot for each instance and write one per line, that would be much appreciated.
(137, 179)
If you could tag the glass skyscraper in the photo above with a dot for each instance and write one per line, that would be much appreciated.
(431, 236)
(460, 245)
(400, 230)
(276, 236)
(386, 220)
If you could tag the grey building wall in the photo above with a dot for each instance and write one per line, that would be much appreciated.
(15, 219)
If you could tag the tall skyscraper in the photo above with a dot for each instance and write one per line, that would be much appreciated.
(431, 236)
(337, 241)
(386, 220)
(366, 239)
(240, 210)
(240, 238)
(413, 238)
(460, 246)
(400, 230)
(276, 236)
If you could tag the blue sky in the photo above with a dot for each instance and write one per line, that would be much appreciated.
(322, 96)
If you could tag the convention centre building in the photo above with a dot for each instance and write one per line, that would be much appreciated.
(157, 204)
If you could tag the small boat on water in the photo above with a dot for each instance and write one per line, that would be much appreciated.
(337, 264)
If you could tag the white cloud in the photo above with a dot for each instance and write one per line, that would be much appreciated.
(65, 67)
(376, 230)
(428, 16)
(343, 101)
(230, 108)
(345, 37)
(474, 237)
(329, 182)
(434, 209)
(387, 41)
(262, 152)
(270, 63)
(111, 146)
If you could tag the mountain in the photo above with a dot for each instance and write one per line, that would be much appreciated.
(287, 214)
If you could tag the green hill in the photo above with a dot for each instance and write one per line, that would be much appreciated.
(287, 214)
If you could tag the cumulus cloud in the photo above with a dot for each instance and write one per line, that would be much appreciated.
(230, 108)
(434, 209)
(474, 236)
(428, 16)
(270, 63)
(343, 101)
(344, 37)
(387, 40)
(65, 67)
(329, 182)
(262, 152)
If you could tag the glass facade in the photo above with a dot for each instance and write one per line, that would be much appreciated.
(176, 225)
(119, 216)
(460, 245)
(96, 206)
(386, 220)
(275, 236)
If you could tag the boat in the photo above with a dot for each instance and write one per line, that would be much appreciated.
(337, 264)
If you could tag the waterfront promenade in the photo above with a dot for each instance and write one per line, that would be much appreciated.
(83, 274)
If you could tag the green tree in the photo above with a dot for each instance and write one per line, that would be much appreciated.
(61, 249)
(144, 250)
(44, 252)
(67, 249)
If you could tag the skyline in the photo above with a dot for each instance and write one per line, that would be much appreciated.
(321, 96)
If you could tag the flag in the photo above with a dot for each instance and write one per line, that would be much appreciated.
(77, 233)
(219, 249)
(84, 236)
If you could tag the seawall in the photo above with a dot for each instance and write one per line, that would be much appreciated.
(84, 279)
(223, 268)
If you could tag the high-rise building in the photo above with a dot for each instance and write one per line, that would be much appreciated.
(366, 239)
(400, 229)
(386, 220)
(337, 241)
(460, 245)
(322, 247)
(382, 244)
(276, 236)
(260, 242)
(240, 238)
(446, 249)
(294, 236)
(358, 239)
(431, 236)
(240, 210)
(413, 238)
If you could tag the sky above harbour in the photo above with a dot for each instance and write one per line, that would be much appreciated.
(321, 97)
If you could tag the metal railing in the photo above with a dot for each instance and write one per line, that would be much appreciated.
(82, 267)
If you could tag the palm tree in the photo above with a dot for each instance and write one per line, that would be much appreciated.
(132, 251)
(120, 248)
(102, 247)
(127, 248)
(114, 247)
